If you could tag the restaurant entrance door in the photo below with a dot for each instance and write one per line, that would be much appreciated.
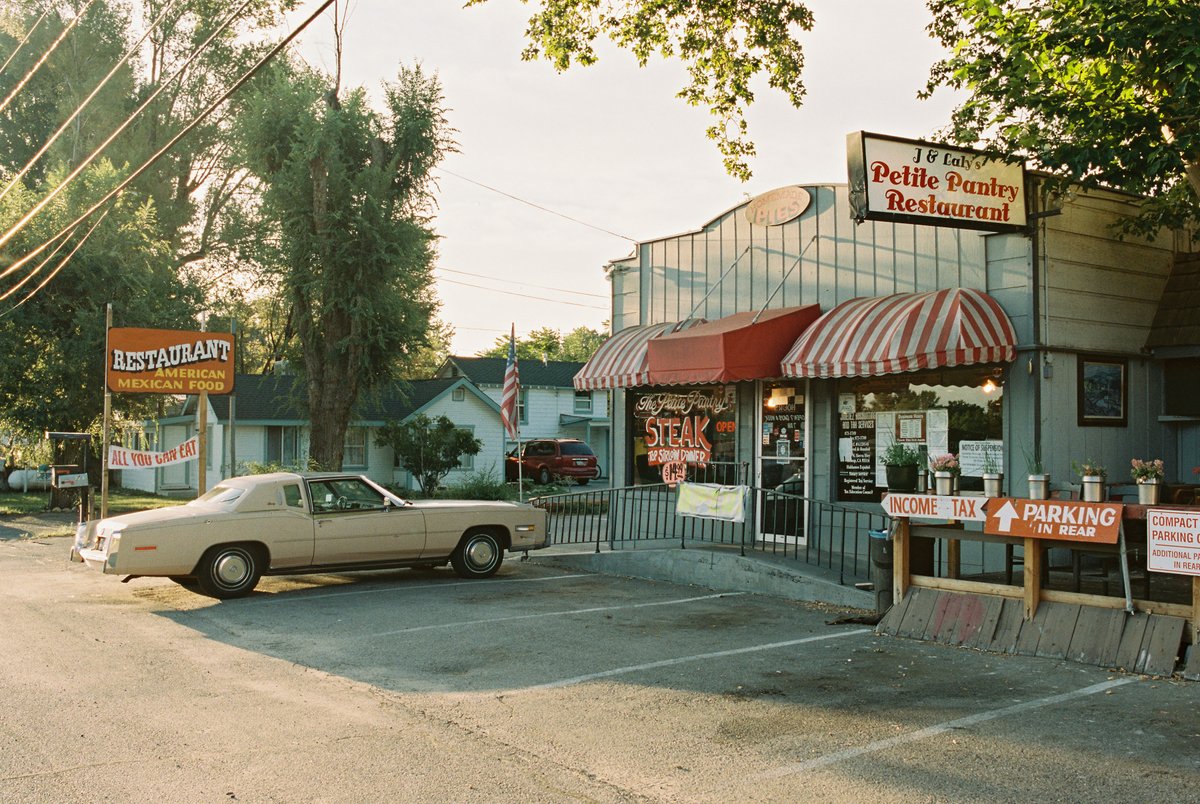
(782, 466)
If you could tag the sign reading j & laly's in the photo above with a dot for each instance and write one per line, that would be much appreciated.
(910, 181)
(167, 361)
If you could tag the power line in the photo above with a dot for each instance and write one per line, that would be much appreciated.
(53, 46)
(116, 191)
(522, 295)
(527, 284)
(39, 206)
(58, 267)
(22, 43)
(79, 109)
(537, 206)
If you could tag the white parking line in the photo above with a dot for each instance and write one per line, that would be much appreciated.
(560, 613)
(699, 657)
(933, 731)
(293, 598)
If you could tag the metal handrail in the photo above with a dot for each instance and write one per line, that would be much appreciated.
(815, 532)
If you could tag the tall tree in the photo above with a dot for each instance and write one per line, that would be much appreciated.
(349, 190)
(724, 46)
(1099, 92)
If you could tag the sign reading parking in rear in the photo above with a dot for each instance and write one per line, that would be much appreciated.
(1173, 539)
(1062, 520)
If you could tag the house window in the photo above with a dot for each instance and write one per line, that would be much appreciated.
(523, 406)
(467, 462)
(458, 394)
(355, 452)
(583, 402)
(283, 445)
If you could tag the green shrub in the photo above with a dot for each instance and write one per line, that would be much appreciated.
(479, 486)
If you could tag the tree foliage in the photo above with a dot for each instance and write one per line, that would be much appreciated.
(547, 343)
(348, 190)
(723, 44)
(1099, 92)
(428, 448)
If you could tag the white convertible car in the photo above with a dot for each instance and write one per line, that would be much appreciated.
(287, 524)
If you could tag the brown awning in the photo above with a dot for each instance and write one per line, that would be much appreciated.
(743, 346)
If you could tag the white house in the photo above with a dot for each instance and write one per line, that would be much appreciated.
(550, 406)
(263, 422)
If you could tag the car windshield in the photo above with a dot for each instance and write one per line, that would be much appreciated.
(224, 496)
(575, 448)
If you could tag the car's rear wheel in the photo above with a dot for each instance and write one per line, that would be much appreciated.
(543, 476)
(478, 555)
(583, 481)
(229, 570)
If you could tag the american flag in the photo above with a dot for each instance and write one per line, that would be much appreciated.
(512, 390)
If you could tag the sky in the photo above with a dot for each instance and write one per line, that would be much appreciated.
(610, 146)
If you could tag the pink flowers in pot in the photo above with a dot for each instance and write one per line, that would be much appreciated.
(944, 463)
(1146, 471)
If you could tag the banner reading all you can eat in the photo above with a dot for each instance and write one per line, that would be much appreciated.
(168, 361)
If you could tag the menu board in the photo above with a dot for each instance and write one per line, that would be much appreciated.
(856, 458)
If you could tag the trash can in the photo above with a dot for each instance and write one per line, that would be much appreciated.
(881, 569)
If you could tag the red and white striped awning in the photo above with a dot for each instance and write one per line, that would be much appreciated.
(904, 332)
(620, 362)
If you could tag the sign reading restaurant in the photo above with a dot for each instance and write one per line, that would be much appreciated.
(911, 181)
(167, 361)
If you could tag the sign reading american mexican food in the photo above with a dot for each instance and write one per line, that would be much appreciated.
(911, 181)
(1062, 520)
(168, 361)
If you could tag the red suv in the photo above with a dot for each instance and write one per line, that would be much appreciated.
(547, 458)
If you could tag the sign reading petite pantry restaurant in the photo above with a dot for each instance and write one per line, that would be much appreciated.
(910, 181)
(168, 361)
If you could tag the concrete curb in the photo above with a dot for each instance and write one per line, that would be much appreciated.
(712, 569)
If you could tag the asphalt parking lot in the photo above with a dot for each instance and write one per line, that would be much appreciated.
(540, 685)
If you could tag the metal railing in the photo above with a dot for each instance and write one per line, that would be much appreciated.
(783, 526)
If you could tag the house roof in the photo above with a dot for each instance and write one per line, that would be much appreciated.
(1177, 321)
(490, 371)
(282, 398)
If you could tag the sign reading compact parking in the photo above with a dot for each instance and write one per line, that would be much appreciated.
(1173, 542)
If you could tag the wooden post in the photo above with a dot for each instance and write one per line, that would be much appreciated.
(202, 446)
(900, 559)
(1033, 577)
(107, 434)
(954, 557)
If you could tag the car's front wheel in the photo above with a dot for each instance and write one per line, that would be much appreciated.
(229, 570)
(478, 555)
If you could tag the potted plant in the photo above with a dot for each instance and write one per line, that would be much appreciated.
(900, 462)
(993, 478)
(1039, 478)
(1149, 478)
(944, 468)
(1093, 475)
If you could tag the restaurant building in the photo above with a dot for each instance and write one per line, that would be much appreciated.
(789, 341)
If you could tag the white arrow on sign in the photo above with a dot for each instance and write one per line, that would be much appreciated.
(1006, 515)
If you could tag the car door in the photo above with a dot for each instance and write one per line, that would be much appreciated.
(291, 530)
(356, 523)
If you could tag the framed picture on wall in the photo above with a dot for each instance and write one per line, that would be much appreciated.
(1103, 384)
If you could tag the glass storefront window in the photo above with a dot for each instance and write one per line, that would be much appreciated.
(954, 410)
(696, 427)
(781, 441)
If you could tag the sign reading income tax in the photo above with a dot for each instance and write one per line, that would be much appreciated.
(167, 361)
(911, 181)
